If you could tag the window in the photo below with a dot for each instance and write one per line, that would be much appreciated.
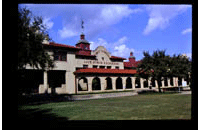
(94, 66)
(85, 66)
(102, 58)
(108, 67)
(63, 58)
(58, 56)
(101, 66)
(116, 67)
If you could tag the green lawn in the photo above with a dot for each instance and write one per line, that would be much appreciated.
(141, 107)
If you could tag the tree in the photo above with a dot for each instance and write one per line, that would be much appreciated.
(154, 66)
(161, 65)
(30, 38)
(179, 66)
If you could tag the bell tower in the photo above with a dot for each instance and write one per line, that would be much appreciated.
(83, 43)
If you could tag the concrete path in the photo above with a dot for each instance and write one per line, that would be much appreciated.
(104, 95)
(186, 92)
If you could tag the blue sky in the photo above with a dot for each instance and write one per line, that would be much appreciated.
(121, 28)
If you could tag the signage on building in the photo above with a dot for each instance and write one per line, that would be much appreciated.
(100, 62)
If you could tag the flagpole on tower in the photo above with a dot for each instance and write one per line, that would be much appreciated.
(82, 22)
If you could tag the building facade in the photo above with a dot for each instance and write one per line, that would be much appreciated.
(81, 70)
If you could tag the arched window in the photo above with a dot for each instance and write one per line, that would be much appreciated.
(96, 84)
(119, 83)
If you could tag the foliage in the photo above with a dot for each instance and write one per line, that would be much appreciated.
(160, 65)
(31, 33)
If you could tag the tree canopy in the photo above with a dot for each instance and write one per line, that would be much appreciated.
(31, 33)
(160, 65)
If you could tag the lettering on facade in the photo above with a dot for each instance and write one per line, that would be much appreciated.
(100, 62)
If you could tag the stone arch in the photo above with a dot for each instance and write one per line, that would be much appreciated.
(83, 84)
(96, 84)
(108, 83)
(128, 83)
(137, 83)
(119, 83)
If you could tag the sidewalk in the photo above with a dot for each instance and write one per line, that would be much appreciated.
(104, 95)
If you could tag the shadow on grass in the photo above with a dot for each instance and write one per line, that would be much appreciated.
(156, 92)
(39, 99)
(40, 117)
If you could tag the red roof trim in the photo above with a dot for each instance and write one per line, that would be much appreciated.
(85, 55)
(115, 57)
(105, 71)
(61, 45)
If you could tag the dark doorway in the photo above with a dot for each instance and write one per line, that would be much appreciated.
(137, 83)
(179, 81)
(165, 81)
(108, 83)
(29, 81)
(82, 84)
(171, 81)
(146, 84)
(96, 84)
(128, 83)
(55, 79)
(153, 84)
(119, 83)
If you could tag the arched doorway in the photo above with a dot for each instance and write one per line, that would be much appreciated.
(119, 83)
(128, 83)
(82, 84)
(96, 84)
(137, 83)
(108, 83)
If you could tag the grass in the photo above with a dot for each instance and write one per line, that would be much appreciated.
(141, 107)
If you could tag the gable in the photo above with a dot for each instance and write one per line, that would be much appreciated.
(101, 54)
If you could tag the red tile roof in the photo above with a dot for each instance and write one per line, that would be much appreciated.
(129, 64)
(61, 45)
(105, 71)
(85, 55)
(115, 57)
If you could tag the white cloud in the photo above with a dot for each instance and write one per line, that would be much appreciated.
(48, 23)
(160, 16)
(122, 50)
(100, 42)
(189, 55)
(117, 48)
(97, 18)
(65, 33)
(188, 30)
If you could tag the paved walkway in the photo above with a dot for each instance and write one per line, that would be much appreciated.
(111, 95)
(104, 95)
